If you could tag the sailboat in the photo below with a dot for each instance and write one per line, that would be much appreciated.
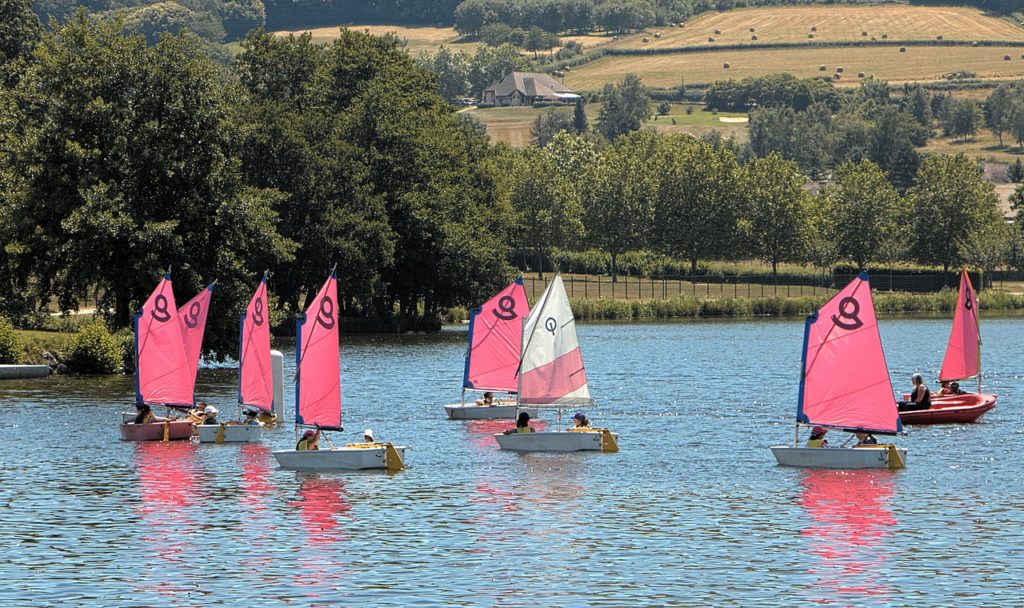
(163, 373)
(492, 358)
(318, 393)
(551, 375)
(845, 385)
(962, 361)
(255, 379)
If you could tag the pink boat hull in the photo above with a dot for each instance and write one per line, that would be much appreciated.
(154, 431)
(952, 409)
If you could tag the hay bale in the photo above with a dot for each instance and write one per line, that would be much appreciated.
(751, 30)
(810, 35)
(836, 76)
(711, 39)
(860, 74)
(822, 68)
(903, 49)
(864, 35)
(814, 28)
(839, 69)
(754, 37)
(718, 31)
(939, 37)
(726, 65)
(646, 39)
(1006, 57)
(657, 34)
(885, 36)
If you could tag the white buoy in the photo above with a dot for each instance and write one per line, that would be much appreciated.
(277, 370)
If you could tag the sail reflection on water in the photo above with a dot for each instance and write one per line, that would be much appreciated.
(320, 503)
(849, 522)
(169, 503)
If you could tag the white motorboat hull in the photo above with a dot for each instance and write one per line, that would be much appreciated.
(234, 432)
(471, 411)
(554, 441)
(360, 457)
(874, 457)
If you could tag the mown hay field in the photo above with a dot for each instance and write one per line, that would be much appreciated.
(831, 23)
(917, 64)
(415, 39)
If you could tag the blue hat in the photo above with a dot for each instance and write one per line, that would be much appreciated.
(579, 416)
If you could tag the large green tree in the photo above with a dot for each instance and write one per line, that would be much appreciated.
(776, 210)
(864, 214)
(697, 209)
(951, 205)
(626, 106)
(117, 182)
(619, 194)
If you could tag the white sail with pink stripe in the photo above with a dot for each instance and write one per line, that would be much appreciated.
(551, 370)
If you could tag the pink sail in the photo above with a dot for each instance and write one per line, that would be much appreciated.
(963, 353)
(162, 369)
(192, 318)
(845, 379)
(551, 371)
(256, 381)
(495, 340)
(317, 361)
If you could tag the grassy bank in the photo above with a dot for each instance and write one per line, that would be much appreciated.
(697, 307)
(34, 343)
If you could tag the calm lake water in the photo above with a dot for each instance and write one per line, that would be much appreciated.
(692, 511)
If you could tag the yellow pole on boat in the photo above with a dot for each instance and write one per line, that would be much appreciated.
(895, 458)
(220, 433)
(167, 431)
(392, 458)
(608, 443)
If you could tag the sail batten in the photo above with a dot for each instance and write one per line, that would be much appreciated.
(318, 361)
(255, 378)
(551, 371)
(963, 351)
(162, 369)
(495, 340)
(845, 380)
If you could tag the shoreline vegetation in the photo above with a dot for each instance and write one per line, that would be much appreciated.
(33, 343)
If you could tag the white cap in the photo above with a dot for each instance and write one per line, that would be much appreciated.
(210, 410)
(368, 433)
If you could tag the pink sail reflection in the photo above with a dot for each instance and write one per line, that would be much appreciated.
(849, 522)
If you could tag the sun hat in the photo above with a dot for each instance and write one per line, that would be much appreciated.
(819, 430)
(210, 410)
(368, 433)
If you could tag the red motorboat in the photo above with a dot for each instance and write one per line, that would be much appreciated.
(951, 409)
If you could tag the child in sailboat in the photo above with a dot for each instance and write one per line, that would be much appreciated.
(579, 422)
(310, 441)
(522, 425)
(817, 439)
(488, 399)
(864, 439)
(368, 436)
(211, 415)
(145, 414)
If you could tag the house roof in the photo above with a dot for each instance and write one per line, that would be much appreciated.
(531, 84)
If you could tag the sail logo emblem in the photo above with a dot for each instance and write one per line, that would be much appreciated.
(507, 308)
(192, 316)
(551, 325)
(325, 316)
(160, 312)
(257, 312)
(968, 302)
(849, 314)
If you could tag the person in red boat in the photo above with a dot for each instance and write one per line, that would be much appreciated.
(920, 396)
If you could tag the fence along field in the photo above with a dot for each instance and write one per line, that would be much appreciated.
(916, 64)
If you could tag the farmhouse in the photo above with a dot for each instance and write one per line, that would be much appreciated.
(525, 89)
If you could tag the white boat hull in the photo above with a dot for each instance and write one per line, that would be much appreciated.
(875, 457)
(234, 432)
(471, 411)
(554, 441)
(346, 458)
